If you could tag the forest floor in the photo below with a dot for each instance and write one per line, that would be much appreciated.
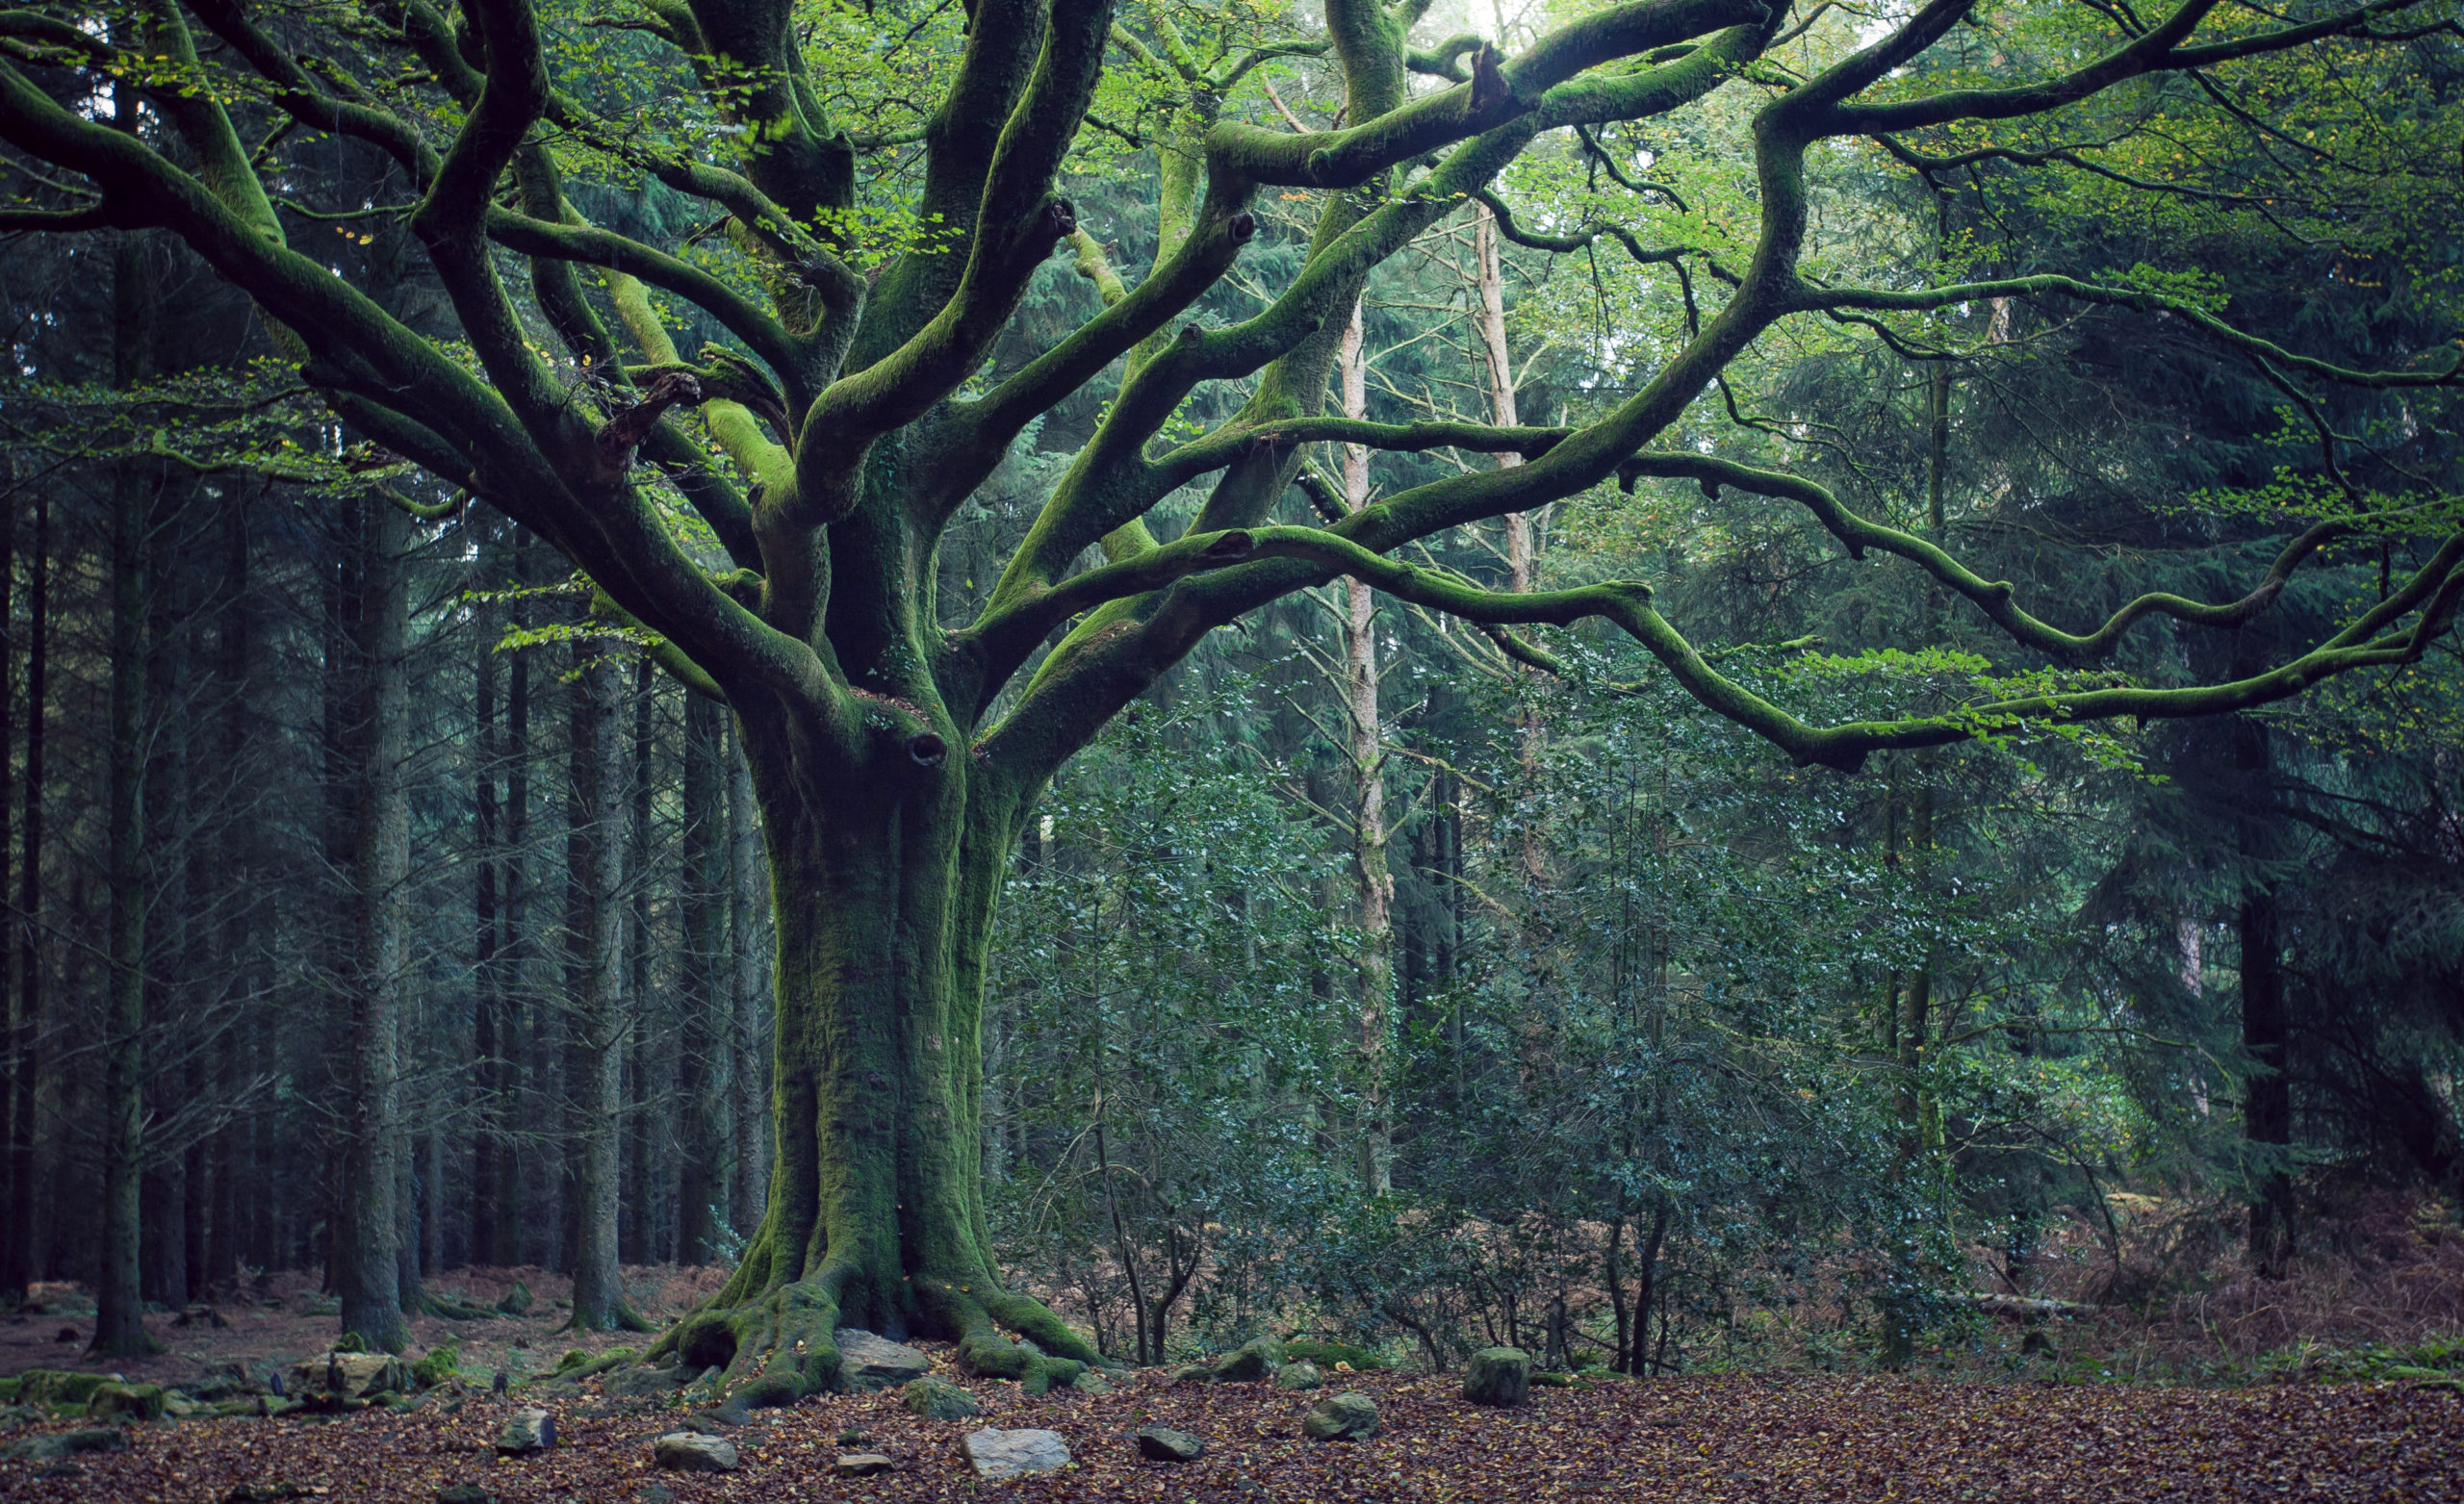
(1741, 1437)
(1794, 1435)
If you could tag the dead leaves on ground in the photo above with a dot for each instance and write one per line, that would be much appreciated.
(1770, 1438)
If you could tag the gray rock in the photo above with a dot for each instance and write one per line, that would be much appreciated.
(690, 1451)
(350, 1375)
(1348, 1416)
(636, 1383)
(939, 1399)
(127, 1402)
(656, 1493)
(526, 1431)
(868, 1361)
(864, 1464)
(1000, 1455)
(1250, 1361)
(66, 1443)
(464, 1494)
(1298, 1376)
(1499, 1376)
(1164, 1445)
(1195, 1373)
(1090, 1382)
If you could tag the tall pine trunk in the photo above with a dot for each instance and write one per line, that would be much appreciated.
(594, 856)
(18, 1238)
(702, 1080)
(119, 1326)
(487, 967)
(516, 956)
(748, 1049)
(368, 1251)
(1374, 882)
(2266, 1102)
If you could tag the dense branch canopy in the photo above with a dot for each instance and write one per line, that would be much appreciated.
(874, 226)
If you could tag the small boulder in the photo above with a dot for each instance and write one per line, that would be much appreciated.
(690, 1452)
(1000, 1455)
(939, 1399)
(638, 1383)
(1195, 1373)
(51, 1387)
(870, 1361)
(126, 1402)
(863, 1465)
(517, 1300)
(1348, 1416)
(1164, 1445)
(1090, 1382)
(1250, 1361)
(67, 1444)
(1497, 1376)
(525, 1432)
(350, 1375)
(464, 1494)
(1298, 1376)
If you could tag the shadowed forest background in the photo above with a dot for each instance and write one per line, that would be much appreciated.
(1374, 978)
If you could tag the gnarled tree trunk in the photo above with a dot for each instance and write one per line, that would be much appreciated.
(884, 886)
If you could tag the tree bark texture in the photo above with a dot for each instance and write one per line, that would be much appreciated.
(18, 1238)
(119, 1326)
(595, 857)
(368, 1246)
(703, 1079)
(1374, 882)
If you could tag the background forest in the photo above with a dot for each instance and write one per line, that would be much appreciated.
(1377, 978)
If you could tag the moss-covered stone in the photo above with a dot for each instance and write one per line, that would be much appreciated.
(1499, 1376)
(54, 1386)
(1250, 1361)
(126, 1402)
(939, 1399)
(442, 1361)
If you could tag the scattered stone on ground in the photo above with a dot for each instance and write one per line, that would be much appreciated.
(864, 1464)
(1497, 1376)
(1195, 1373)
(525, 1432)
(66, 1444)
(127, 1402)
(999, 1455)
(350, 1375)
(642, 1383)
(464, 1494)
(1164, 1445)
(1748, 1438)
(939, 1399)
(1348, 1416)
(690, 1451)
(1090, 1382)
(1298, 1376)
(867, 1361)
(1250, 1361)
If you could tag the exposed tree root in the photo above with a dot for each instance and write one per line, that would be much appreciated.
(780, 1345)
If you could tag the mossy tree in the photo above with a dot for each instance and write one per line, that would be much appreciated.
(896, 756)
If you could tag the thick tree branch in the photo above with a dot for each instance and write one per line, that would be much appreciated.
(1993, 598)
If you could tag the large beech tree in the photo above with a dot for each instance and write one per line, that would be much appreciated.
(826, 453)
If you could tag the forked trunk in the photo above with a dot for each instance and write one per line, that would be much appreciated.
(882, 890)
